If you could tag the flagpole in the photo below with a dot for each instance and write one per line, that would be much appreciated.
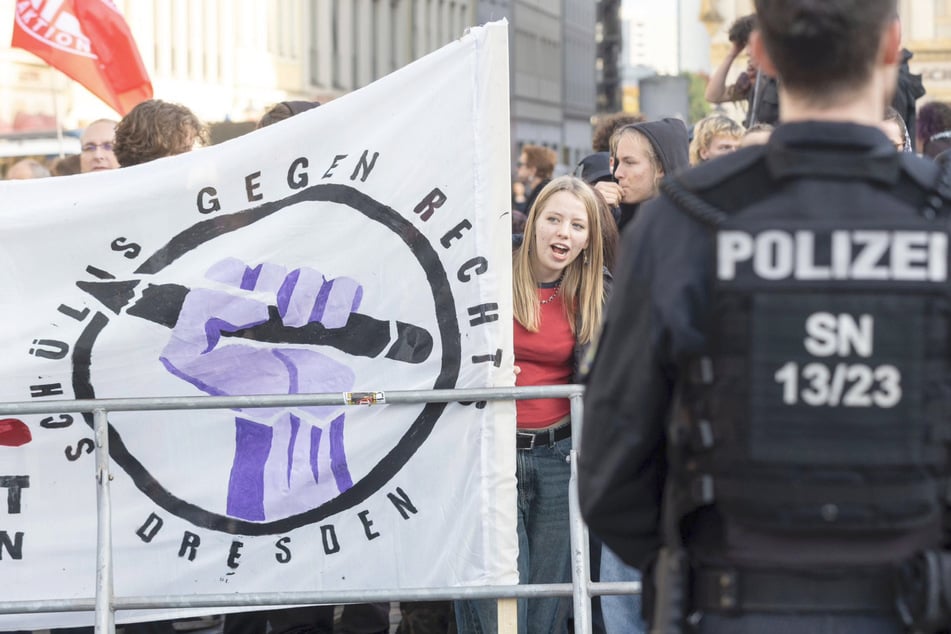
(59, 123)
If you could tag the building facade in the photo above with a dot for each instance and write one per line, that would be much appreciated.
(580, 82)
(926, 32)
(609, 44)
(229, 60)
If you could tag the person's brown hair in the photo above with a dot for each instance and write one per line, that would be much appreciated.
(606, 126)
(739, 33)
(65, 166)
(543, 159)
(285, 110)
(155, 129)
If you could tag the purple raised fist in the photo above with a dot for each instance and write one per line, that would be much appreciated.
(287, 460)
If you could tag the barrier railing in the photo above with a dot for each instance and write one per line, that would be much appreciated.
(105, 603)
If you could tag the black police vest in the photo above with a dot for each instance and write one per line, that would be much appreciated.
(822, 404)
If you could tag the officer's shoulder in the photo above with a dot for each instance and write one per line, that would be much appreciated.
(723, 170)
(715, 189)
(927, 174)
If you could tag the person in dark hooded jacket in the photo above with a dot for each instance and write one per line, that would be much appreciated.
(910, 89)
(641, 155)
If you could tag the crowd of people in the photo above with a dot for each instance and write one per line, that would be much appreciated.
(630, 159)
(153, 129)
(568, 231)
(719, 457)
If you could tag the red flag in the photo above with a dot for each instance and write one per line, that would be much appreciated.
(89, 41)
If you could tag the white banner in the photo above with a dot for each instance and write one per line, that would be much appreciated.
(363, 246)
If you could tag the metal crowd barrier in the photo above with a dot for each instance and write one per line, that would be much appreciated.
(105, 603)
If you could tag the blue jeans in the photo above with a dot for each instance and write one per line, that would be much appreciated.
(621, 612)
(544, 545)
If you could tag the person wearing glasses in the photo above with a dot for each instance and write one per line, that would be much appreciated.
(97, 141)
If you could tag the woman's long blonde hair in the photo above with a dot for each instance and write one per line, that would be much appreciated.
(582, 285)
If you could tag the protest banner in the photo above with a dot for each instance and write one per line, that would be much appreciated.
(360, 247)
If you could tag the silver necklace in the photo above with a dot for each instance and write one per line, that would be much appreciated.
(553, 295)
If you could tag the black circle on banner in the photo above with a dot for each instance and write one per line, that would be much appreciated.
(392, 462)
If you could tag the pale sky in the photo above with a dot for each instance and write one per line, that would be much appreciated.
(660, 40)
(658, 8)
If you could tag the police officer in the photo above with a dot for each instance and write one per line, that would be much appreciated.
(766, 413)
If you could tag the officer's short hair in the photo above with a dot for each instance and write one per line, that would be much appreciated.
(823, 49)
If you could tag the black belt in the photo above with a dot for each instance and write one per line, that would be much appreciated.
(543, 438)
(727, 590)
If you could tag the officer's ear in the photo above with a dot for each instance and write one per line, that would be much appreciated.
(891, 43)
(760, 56)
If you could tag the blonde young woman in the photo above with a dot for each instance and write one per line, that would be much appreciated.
(559, 289)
